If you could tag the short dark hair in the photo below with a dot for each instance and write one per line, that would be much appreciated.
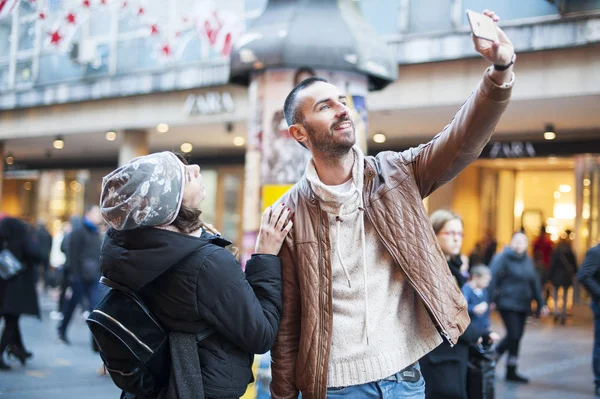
(290, 111)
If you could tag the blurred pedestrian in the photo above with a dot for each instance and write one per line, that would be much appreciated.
(158, 246)
(589, 276)
(43, 240)
(83, 257)
(514, 285)
(542, 254)
(445, 368)
(18, 294)
(563, 268)
(476, 293)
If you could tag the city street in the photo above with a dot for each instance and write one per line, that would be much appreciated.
(556, 358)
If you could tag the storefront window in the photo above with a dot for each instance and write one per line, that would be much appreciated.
(24, 72)
(5, 29)
(56, 67)
(26, 35)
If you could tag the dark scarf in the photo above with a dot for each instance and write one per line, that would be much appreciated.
(454, 264)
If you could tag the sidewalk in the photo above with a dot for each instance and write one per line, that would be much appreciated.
(556, 358)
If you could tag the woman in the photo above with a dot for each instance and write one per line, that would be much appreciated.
(514, 285)
(17, 295)
(445, 368)
(158, 247)
(563, 268)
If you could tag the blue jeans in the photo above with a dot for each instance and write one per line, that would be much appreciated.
(94, 293)
(596, 351)
(382, 389)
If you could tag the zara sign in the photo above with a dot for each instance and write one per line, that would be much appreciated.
(209, 103)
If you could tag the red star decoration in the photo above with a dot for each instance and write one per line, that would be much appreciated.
(185, 20)
(103, 2)
(227, 46)
(86, 3)
(55, 37)
(140, 11)
(71, 18)
(42, 15)
(177, 34)
(124, 4)
(166, 50)
(153, 29)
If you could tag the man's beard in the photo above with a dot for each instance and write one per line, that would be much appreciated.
(325, 142)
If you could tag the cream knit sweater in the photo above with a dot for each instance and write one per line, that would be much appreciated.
(380, 325)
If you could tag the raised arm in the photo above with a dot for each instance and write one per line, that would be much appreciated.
(463, 139)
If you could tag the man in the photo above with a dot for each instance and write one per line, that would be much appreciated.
(366, 287)
(589, 276)
(43, 240)
(83, 255)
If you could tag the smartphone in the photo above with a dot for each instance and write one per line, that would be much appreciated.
(482, 26)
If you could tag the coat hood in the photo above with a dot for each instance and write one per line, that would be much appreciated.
(135, 258)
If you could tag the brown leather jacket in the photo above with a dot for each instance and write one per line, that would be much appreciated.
(394, 187)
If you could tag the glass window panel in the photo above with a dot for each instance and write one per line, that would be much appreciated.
(513, 9)
(137, 54)
(382, 15)
(422, 17)
(27, 7)
(56, 68)
(100, 23)
(129, 22)
(192, 52)
(5, 28)
(24, 72)
(26, 35)
(99, 66)
(3, 77)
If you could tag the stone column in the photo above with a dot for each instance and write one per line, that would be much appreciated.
(274, 160)
(134, 143)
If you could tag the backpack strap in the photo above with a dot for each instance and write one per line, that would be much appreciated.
(114, 285)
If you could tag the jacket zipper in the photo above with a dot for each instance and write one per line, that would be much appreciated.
(319, 352)
(109, 317)
(443, 332)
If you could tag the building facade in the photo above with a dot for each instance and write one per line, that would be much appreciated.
(85, 85)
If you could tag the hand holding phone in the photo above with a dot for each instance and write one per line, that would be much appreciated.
(492, 43)
(482, 26)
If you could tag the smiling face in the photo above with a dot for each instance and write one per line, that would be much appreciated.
(326, 124)
(194, 191)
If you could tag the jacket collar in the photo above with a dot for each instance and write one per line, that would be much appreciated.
(306, 192)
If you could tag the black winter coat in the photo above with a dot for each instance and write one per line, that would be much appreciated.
(18, 295)
(445, 368)
(515, 282)
(563, 266)
(83, 253)
(189, 283)
(589, 272)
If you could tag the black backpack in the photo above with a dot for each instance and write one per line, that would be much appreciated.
(133, 345)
